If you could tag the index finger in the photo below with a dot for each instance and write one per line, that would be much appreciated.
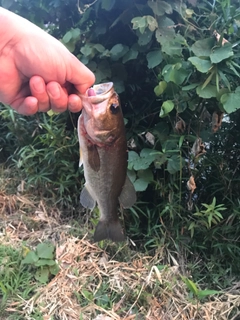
(79, 75)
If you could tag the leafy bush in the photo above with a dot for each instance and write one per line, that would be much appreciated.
(176, 67)
(46, 151)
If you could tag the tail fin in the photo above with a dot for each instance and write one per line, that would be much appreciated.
(109, 230)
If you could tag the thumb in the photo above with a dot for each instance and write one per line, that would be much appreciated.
(79, 75)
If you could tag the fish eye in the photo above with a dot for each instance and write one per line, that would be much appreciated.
(114, 108)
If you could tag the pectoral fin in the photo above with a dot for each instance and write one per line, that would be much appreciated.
(86, 199)
(128, 196)
(93, 157)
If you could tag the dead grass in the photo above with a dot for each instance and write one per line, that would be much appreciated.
(92, 284)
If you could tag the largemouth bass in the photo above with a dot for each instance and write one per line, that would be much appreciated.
(103, 154)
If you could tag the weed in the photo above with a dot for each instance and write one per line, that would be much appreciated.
(197, 293)
(43, 260)
(16, 281)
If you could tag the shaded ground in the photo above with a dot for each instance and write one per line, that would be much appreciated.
(112, 282)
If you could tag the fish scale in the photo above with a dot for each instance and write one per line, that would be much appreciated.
(103, 154)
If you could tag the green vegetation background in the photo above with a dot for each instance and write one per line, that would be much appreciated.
(176, 67)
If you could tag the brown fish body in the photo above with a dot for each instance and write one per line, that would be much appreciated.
(103, 152)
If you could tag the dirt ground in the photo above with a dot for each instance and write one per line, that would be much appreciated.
(112, 282)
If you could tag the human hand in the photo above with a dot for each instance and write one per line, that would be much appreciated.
(37, 72)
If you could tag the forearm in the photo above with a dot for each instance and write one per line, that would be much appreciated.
(6, 28)
(12, 28)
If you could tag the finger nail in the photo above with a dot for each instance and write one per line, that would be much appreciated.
(38, 86)
(74, 107)
(54, 92)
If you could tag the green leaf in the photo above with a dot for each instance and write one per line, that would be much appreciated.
(160, 88)
(42, 275)
(213, 204)
(146, 175)
(152, 23)
(67, 37)
(119, 86)
(210, 218)
(234, 63)
(99, 47)
(7, 3)
(118, 48)
(200, 64)
(181, 139)
(31, 258)
(167, 107)
(170, 145)
(230, 101)
(203, 48)
(221, 53)
(160, 7)
(174, 73)
(108, 4)
(131, 175)
(192, 227)
(167, 7)
(54, 269)
(118, 51)
(148, 156)
(76, 33)
(3, 288)
(154, 58)
(104, 54)
(140, 185)
(208, 92)
(161, 131)
(172, 48)
(143, 180)
(87, 50)
(190, 87)
(87, 294)
(44, 262)
(92, 66)
(139, 22)
(71, 45)
(103, 71)
(165, 32)
(189, 13)
(130, 55)
(191, 285)
(224, 79)
(230, 64)
(84, 59)
(171, 43)
(132, 157)
(161, 158)
(52, 113)
(45, 251)
(208, 80)
(218, 215)
(145, 37)
(204, 293)
(142, 161)
(174, 164)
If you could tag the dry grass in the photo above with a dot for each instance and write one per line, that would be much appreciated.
(137, 289)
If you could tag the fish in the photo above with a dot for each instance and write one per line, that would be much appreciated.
(104, 156)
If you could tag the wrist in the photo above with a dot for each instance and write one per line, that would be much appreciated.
(6, 28)
(12, 28)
